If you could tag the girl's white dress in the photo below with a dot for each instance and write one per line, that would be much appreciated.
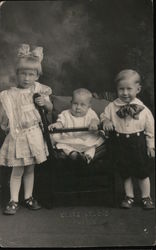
(24, 145)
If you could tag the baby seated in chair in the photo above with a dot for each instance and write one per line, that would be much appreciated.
(78, 145)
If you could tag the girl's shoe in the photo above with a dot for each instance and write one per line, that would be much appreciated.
(11, 208)
(147, 203)
(32, 204)
(127, 202)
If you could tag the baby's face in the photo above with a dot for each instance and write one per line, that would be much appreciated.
(128, 89)
(80, 105)
(26, 77)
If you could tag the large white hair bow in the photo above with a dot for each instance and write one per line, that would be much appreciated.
(24, 51)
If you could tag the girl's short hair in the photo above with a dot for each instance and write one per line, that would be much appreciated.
(84, 92)
(127, 73)
(29, 63)
(27, 59)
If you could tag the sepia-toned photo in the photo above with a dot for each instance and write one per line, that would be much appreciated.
(77, 118)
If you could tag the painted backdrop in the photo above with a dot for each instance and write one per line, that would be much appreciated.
(86, 42)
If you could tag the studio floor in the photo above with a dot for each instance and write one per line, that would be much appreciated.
(78, 226)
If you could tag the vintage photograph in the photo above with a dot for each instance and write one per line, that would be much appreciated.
(77, 142)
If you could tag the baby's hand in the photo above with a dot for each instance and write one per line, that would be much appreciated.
(93, 125)
(55, 125)
(151, 152)
(40, 101)
(108, 125)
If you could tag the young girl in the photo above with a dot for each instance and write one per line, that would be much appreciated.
(133, 139)
(78, 145)
(24, 145)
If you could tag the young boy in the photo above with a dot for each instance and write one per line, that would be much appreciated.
(133, 139)
(79, 145)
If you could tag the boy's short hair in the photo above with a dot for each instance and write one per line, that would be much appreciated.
(127, 73)
(83, 91)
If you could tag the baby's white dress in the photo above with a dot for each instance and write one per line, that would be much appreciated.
(77, 141)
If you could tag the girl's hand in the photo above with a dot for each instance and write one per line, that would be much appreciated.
(151, 152)
(93, 125)
(108, 125)
(55, 125)
(40, 101)
(6, 129)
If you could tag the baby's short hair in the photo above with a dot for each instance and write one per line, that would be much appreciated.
(84, 92)
(127, 73)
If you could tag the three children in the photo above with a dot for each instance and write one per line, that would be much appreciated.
(127, 117)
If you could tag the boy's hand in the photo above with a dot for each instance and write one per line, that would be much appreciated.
(93, 125)
(151, 152)
(55, 125)
(40, 101)
(108, 125)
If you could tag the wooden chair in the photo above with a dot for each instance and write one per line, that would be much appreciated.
(88, 184)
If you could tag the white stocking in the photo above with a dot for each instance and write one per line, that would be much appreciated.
(128, 186)
(15, 183)
(145, 187)
(28, 180)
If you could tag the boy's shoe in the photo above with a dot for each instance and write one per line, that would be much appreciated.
(127, 202)
(32, 204)
(147, 203)
(11, 208)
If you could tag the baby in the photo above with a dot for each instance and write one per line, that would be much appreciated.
(78, 145)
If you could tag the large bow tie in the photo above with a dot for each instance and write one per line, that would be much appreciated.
(132, 110)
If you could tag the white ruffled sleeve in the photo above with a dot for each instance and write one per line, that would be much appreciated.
(46, 91)
(43, 90)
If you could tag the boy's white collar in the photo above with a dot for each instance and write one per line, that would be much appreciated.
(119, 102)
